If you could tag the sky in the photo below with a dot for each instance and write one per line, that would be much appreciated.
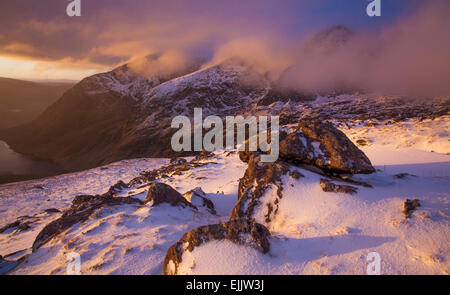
(39, 41)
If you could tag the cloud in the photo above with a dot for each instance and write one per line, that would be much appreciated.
(164, 65)
(18, 47)
(266, 55)
(410, 57)
(114, 31)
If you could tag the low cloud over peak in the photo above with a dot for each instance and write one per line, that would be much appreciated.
(407, 53)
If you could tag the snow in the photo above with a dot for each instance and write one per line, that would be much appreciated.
(426, 135)
(58, 191)
(314, 232)
(332, 233)
(122, 81)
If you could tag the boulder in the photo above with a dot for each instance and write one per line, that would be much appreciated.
(23, 223)
(160, 193)
(117, 187)
(328, 186)
(82, 208)
(258, 177)
(409, 206)
(177, 161)
(197, 197)
(322, 145)
(239, 231)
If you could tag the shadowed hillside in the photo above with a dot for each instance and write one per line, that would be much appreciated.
(22, 101)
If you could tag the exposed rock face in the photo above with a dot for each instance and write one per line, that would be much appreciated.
(117, 187)
(177, 161)
(177, 166)
(10, 226)
(82, 208)
(410, 206)
(328, 186)
(258, 177)
(278, 93)
(21, 224)
(321, 145)
(159, 193)
(197, 197)
(27, 222)
(261, 178)
(326, 147)
(239, 231)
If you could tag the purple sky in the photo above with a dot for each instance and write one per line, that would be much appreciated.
(113, 31)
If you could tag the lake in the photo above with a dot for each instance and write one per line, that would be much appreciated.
(16, 167)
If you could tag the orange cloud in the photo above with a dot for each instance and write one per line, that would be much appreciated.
(19, 48)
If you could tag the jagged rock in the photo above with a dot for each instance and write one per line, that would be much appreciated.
(347, 178)
(278, 93)
(322, 145)
(403, 175)
(22, 223)
(52, 210)
(328, 186)
(409, 206)
(197, 197)
(159, 193)
(239, 231)
(10, 225)
(204, 155)
(174, 168)
(117, 187)
(177, 161)
(363, 142)
(82, 208)
(244, 156)
(257, 179)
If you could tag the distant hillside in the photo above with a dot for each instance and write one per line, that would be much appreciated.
(22, 101)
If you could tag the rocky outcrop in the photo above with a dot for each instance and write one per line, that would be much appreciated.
(177, 166)
(328, 186)
(197, 197)
(21, 224)
(257, 179)
(26, 222)
(409, 206)
(328, 148)
(239, 231)
(177, 161)
(82, 208)
(117, 187)
(322, 145)
(283, 94)
(159, 193)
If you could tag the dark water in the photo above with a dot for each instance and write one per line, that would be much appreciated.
(15, 166)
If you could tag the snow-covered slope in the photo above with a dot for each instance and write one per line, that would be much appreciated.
(411, 141)
(314, 232)
(122, 114)
(217, 87)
